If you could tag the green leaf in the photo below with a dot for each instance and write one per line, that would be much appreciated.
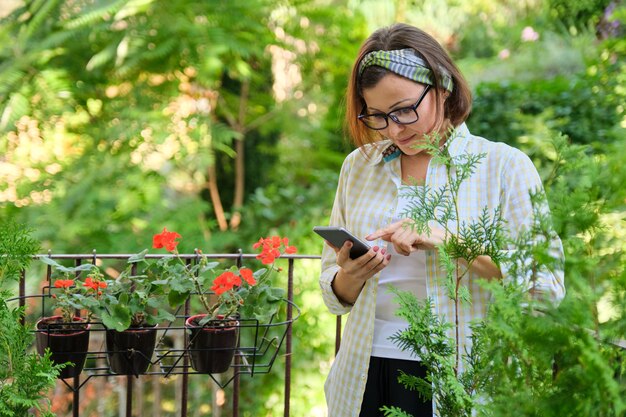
(141, 256)
(123, 299)
(66, 269)
(89, 302)
(263, 316)
(204, 320)
(51, 262)
(176, 298)
(83, 267)
(181, 285)
(153, 302)
(209, 266)
(162, 315)
(243, 292)
(259, 272)
(275, 294)
(118, 318)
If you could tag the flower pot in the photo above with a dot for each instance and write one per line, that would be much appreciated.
(66, 344)
(212, 346)
(130, 352)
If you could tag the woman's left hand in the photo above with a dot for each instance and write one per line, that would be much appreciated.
(406, 240)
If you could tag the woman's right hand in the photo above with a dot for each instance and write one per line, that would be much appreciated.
(353, 273)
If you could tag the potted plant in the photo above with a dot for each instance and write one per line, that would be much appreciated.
(131, 308)
(226, 297)
(66, 334)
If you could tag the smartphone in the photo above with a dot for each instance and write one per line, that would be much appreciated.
(338, 235)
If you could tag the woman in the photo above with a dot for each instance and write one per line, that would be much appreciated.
(404, 87)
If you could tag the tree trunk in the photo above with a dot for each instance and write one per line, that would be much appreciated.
(215, 198)
(240, 166)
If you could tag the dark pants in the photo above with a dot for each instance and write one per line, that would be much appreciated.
(383, 388)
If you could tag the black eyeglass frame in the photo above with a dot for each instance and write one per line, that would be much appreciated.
(391, 116)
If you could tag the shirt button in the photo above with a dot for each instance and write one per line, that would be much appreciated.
(363, 377)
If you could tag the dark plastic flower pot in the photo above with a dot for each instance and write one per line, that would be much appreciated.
(212, 347)
(66, 345)
(130, 352)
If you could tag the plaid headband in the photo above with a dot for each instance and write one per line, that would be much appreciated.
(407, 63)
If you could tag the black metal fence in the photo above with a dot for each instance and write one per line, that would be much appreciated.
(257, 349)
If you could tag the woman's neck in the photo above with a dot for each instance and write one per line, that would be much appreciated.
(415, 167)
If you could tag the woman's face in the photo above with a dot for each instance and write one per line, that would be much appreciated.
(393, 92)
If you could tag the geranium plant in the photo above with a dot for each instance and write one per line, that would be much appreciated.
(262, 300)
(72, 294)
(134, 299)
(237, 291)
(131, 300)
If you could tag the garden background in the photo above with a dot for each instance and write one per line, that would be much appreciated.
(222, 120)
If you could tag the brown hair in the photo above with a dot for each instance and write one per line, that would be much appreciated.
(400, 36)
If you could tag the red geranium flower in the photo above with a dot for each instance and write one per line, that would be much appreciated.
(248, 275)
(94, 284)
(165, 239)
(224, 282)
(258, 244)
(63, 283)
(270, 248)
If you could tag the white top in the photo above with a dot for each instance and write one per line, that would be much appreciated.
(406, 273)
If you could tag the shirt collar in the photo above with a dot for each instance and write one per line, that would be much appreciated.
(387, 151)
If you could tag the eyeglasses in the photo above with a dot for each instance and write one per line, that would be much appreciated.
(402, 116)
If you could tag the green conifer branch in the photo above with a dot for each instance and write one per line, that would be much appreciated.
(25, 376)
(427, 334)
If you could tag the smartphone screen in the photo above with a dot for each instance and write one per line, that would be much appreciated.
(338, 235)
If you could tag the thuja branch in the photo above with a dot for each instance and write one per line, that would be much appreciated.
(441, 205)
(464, 241)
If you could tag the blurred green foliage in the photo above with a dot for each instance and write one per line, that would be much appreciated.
(115, 115)
(577, 14)
(584, 108)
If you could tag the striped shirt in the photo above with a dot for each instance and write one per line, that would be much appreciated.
(366, 200)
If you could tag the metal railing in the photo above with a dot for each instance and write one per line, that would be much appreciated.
(242, 364)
